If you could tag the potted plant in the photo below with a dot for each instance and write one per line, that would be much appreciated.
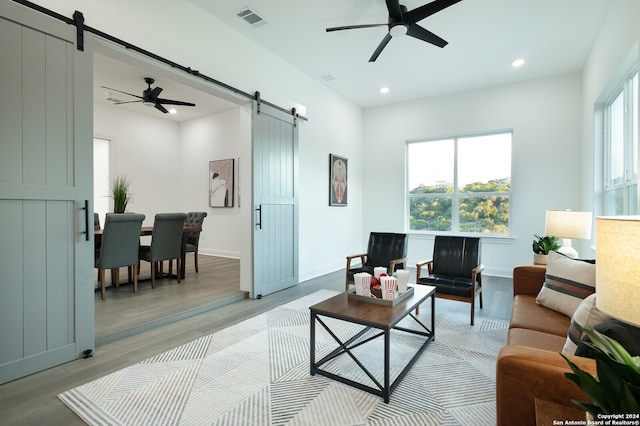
(542, 246)
(616, 388)
(120, 193)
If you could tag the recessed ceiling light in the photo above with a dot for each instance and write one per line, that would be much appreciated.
(173, 111)
(518, 63)
(384, 89)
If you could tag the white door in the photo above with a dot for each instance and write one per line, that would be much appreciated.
(275, 196)
(46, 289)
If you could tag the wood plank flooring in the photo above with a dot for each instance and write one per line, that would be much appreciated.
(217, 282)
(32, 400)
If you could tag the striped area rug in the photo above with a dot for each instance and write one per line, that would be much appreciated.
(257, 373)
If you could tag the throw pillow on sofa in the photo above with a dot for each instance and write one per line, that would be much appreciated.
(567, 282)
(587, 315)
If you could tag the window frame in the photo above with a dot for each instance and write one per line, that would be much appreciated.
(630, 143)
(457, 195)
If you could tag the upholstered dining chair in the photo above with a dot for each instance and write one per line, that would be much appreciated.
(384, 249)
(96, 221)
(119, 247)
(455, 270)
(166, 242)
(194, 219)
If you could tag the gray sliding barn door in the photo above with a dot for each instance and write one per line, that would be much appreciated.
(275, 197)
(46, 284)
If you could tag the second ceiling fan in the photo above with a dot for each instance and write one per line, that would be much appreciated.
(402, 21)
(150, 97)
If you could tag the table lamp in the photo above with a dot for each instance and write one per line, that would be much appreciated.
(568, 224)
(618, 267)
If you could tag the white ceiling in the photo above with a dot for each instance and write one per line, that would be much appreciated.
(485, 36)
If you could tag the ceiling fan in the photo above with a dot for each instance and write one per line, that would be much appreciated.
(150, 97)
(403, 22)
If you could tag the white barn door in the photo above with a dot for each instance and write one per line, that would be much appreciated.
(46, 289)
(275, 196)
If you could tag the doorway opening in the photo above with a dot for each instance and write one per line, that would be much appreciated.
(166, 157)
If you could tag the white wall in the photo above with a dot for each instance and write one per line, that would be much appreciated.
(146, 150)
(216, 137)
(616, 45)
(546, 170)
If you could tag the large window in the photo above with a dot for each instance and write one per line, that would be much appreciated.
(621, 150)
(460, 184)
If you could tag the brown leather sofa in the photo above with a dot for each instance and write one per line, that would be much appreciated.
(530, 367)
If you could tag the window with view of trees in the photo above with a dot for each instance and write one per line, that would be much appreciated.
(460, 184)
(621, 150)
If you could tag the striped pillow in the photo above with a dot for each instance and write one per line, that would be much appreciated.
(567, 282)
(587, 315)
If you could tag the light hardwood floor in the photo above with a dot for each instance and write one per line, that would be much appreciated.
(32, 400)
(124, 313)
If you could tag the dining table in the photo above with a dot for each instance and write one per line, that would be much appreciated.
(148, 230)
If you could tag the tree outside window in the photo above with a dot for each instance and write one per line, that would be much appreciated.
(460, 184)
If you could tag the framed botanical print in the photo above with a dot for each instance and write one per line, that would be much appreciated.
(338, 190)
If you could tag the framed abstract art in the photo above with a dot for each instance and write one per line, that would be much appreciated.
(221, 177)
(338, 190)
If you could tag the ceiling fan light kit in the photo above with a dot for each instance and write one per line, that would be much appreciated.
(398, 30)
(402, 21)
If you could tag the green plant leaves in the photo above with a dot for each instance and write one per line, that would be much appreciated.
(616, 387)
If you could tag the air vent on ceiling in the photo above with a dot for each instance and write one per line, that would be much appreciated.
(328, 77)
(249, 15)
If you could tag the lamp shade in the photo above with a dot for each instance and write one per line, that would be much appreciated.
(568, 224)
(618, 267)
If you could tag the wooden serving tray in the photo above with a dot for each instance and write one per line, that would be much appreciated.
(351, 294)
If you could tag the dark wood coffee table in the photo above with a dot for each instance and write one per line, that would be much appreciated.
(383, 318)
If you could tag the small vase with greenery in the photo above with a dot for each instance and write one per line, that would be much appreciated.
(120, 193)
(542, 246)
(616, 387)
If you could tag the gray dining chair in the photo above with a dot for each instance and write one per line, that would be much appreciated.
(192, 239)
(166, 242)
(119, 248)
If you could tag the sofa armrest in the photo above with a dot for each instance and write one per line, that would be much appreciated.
(528, 279)
(524, 374)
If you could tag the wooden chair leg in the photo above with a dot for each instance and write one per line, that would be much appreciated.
(170, 267)
(129, 273)
(101, 279)
(195, 260)
(153, 274)
(135, 278)
(177, 267)
(115, 277)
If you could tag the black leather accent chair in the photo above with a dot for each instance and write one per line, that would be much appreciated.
(384, 249)
(455, 269)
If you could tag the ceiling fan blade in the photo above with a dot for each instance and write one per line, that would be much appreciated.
(353, 27)
(395, 12)
(420, 33)
(128, 102)
(161, 108)
(155, 92)
(380, 47)
(419, 13)
(171, 102)
(120, 91)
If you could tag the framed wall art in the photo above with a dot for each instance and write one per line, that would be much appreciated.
(221, 183)
(338, 190)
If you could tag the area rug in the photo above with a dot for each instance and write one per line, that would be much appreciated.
(257, 373)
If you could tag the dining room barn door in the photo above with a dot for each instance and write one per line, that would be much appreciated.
(46, 289)
(275, 198)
